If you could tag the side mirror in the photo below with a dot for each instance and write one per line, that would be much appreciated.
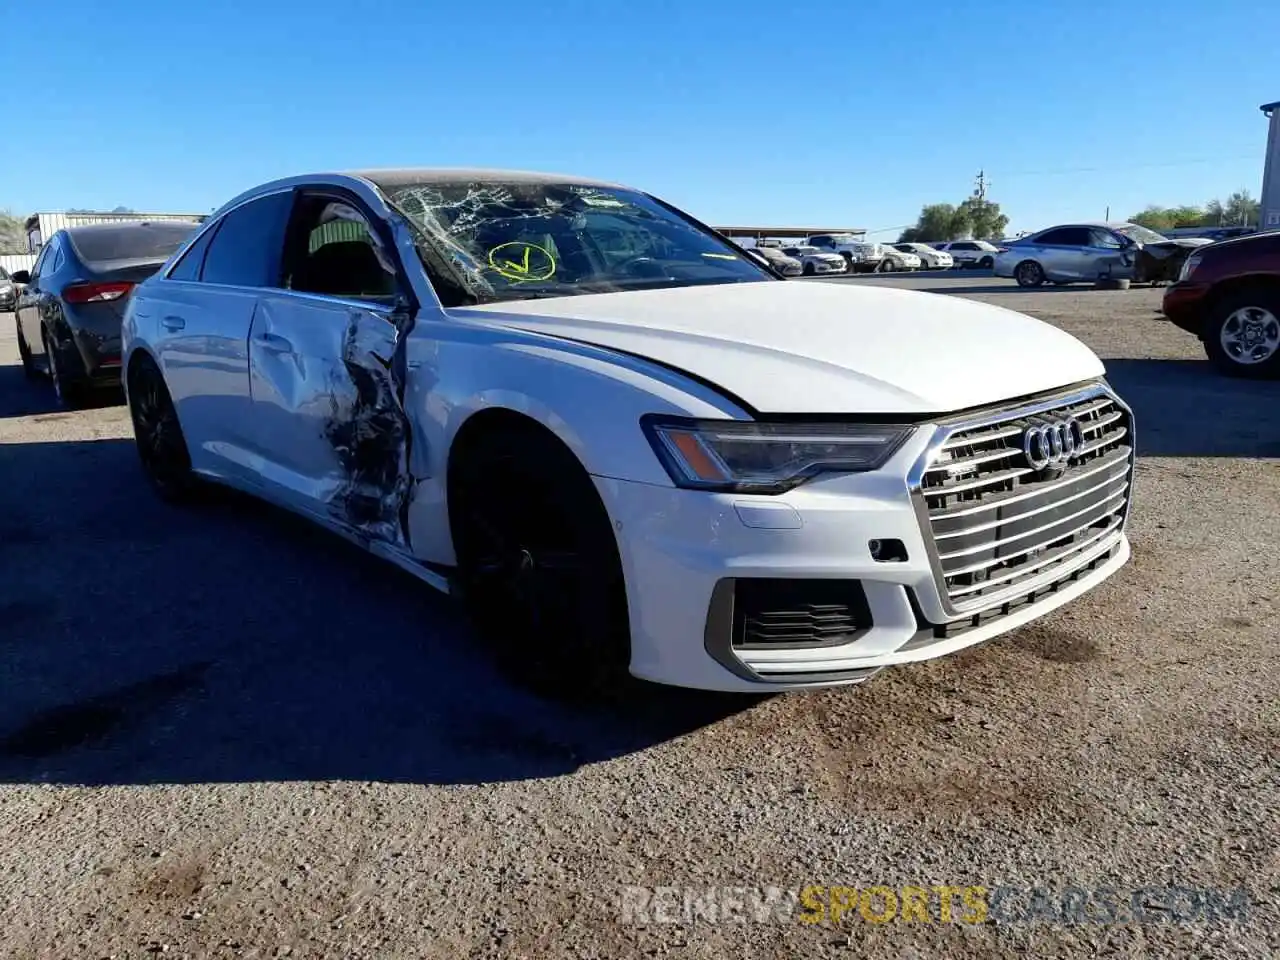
(20, 276)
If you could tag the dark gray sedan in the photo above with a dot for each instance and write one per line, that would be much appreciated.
(69, 312)
(8, 292)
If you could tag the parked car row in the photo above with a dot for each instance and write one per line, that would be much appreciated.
(629, 448)
(864, 256)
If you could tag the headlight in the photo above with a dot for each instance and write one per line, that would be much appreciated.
(744, 457)
(1189, 265)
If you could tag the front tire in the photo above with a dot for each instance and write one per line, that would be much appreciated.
(808, 269)
(162, 448)
(1242, 337)
(1029, 274)
(986, 263)
(538, 564)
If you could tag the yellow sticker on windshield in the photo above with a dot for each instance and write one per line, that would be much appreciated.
(720, 256)
(522, 261)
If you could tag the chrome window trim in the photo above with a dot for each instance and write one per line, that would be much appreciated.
(944, 429)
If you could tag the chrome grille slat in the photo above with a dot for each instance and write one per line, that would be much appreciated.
(965, 463)
(1031, 548)
(991, 524)
(1103, 421)
(1120, 459)
(1002, 477)
(997, 526)
(1025, 572)
(984, 437)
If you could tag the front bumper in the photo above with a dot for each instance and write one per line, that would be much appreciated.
(683, 551)
(830, 267)
(1183, 304)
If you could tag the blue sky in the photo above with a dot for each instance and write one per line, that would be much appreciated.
(836, 113)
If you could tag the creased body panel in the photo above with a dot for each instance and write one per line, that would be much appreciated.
(328, 422)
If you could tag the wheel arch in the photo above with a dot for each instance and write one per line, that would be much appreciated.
(137, 357)
(1234, 286)
(492, 423)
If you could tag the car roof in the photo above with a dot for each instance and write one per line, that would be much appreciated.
(391, 178)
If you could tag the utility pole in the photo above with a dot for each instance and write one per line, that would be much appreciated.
(980, 198)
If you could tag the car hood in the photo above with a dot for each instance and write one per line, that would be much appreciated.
(1183, 242)
(792, 347)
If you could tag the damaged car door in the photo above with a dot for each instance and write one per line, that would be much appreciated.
(325, 355)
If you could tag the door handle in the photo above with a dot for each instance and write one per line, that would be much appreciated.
(275, 343)
(173, 323)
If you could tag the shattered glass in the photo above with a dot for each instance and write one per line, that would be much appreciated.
(496, 240)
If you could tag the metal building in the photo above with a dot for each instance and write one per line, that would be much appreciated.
(1269, 208)
(41, 226)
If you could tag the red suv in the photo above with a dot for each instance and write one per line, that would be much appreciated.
(1228, 294)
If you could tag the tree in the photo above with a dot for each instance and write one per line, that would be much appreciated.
(1240, 209)
(937, 221)
(13, 235)
(983, 218)
(977, 218)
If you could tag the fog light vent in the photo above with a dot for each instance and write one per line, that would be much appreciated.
(772, 614)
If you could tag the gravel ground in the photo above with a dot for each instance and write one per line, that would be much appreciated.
(225, 734)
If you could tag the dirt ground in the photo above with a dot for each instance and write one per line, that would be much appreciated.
(224, 734)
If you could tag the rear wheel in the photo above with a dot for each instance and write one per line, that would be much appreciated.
(538, 564)
(24, 354)
(162, 448)
(68, 390)
(1029, 274)
(1243, 334)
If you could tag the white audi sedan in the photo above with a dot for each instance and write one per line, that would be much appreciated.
(627, 446)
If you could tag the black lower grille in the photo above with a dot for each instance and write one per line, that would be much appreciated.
(772, 614)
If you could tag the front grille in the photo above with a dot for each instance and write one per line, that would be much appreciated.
(1000, 527)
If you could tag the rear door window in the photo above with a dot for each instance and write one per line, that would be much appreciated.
(191, 263)
(246, 250)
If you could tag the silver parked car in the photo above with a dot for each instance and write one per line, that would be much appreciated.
(1083, 251)
(773, 257)
(815, 260)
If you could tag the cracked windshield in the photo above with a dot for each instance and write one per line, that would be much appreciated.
(517, 241)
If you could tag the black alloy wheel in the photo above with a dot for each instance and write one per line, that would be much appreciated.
(162, 448)
(538, 566)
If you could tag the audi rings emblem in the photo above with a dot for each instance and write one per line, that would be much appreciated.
(1051, 443)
